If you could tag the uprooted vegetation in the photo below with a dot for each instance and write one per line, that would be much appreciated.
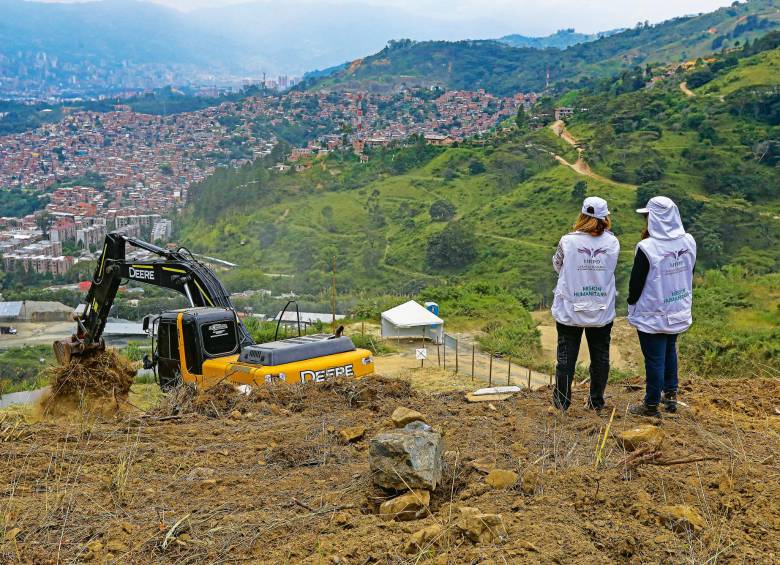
(98, 383)
(269, 477)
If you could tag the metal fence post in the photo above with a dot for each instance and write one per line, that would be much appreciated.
(529, 379)
(444, 350)
(509, 373)
(490, 371)
(456, 356)
(473, 351)
(438, 355)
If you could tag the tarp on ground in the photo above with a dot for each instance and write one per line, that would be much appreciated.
(412, 320)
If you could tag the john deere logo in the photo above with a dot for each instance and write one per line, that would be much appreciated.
(141, 274)
(319, 376)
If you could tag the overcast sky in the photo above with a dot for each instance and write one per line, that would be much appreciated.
(521, 16)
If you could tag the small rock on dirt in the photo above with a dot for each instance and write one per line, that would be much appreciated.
(403, 460)
(423, 538)
(501, 478)
(417, 426)
(409, 506)
(680, 517)
(402, 416)
(484, 464)
(352, 433)
(480, 527)
(633, 439)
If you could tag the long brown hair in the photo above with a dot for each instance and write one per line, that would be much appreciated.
(646, 229)
(591, 225)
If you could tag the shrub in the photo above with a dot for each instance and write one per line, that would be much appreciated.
(454, 246)
(442, 210)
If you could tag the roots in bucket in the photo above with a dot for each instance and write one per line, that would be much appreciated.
(99, 380)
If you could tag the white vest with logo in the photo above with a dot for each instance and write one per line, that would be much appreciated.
(665, 304)
(585, 294)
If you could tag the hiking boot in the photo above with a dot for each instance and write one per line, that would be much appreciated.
(644, 410)
(669, 400)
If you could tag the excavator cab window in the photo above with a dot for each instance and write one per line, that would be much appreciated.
(192, 353)
(219, 338)
(168, 364)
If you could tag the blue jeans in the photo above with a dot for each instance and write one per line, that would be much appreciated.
(660, 351)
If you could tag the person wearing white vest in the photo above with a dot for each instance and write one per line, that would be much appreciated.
(585, 300)
(660, 297)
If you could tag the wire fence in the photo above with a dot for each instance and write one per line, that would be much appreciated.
(464, 357)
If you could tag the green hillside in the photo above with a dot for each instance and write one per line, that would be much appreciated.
(502, 203)
(717, 151)
(503, 69)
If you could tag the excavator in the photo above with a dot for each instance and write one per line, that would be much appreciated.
(207, 342)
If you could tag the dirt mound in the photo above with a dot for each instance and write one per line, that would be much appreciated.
(275, 484)
(107, 373)
(217, 401)
(99, 382)
(223, 399)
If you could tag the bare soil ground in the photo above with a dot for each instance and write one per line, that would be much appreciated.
(223, 478)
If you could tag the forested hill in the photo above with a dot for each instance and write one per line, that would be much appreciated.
(503, 69)
(561, 39)
(491, 211)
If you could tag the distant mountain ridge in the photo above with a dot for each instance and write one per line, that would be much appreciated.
(561, 39)
(503, 69)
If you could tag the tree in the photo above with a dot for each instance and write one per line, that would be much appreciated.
(477, 167)
(44, 222)
(619, 173)
(649, 171)
(579, 190)
(454, 246)
(521, 119)
(442, 211)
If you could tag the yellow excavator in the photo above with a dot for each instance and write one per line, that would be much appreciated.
(207, 342)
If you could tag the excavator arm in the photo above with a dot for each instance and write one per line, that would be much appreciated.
(177, 270)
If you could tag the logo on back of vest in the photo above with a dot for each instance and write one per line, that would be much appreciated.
(591, 263)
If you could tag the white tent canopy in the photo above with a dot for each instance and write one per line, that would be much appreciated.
(411, 320)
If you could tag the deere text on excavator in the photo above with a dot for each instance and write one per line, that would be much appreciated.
(207, 342)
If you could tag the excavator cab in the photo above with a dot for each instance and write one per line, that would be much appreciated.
(185, 338)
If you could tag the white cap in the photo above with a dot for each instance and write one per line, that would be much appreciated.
(595, 207)
(659, 203)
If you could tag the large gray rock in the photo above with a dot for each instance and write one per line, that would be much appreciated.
(406, 459)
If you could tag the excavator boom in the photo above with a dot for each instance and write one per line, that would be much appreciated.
(177, 270)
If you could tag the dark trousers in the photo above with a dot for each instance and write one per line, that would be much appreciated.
(569, 338)
(660, 351)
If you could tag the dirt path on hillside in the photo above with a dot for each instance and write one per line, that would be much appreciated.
(267, 478)
(687, 91)
(579, 166)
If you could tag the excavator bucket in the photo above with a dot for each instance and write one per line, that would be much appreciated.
(67, 350)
